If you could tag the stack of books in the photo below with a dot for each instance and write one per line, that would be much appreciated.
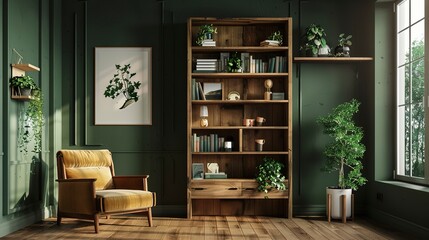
(219, 175)
(208, 43)
(270, 43)
(206, 65)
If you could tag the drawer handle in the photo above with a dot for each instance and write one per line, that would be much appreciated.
(198, 189)
(249, 189)
(233, 188)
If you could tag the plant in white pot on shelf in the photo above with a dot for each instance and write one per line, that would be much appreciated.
(343, 153)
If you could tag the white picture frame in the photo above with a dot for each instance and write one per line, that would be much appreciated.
(125, 108)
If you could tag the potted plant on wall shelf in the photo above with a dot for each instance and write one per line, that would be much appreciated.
(314, 40)
(343, 153)
(343, 48)
(22, 85)
(269, 176)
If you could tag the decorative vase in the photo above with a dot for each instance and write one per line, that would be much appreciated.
(336, 194)
(324, 51)
(22, 91)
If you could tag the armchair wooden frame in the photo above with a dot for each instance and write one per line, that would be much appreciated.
(89, 205)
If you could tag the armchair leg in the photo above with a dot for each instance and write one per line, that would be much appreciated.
(149, 216)
(59, 220)
(96, 222)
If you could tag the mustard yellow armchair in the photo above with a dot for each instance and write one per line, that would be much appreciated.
(88, 188)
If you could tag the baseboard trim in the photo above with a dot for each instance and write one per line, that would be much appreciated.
(309, 210)
(398, 223)
(15, 222)
(169, 211)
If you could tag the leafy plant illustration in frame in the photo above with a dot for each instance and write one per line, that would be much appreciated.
(121, 84)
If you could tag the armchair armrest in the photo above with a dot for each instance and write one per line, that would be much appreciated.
(76, 195)
(131, 182)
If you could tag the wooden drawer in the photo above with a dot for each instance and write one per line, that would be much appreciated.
(215, 189)
(250, 190)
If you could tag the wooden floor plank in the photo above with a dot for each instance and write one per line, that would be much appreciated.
(208, 228)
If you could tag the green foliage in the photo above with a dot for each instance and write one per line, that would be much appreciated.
(276, 36)
(204, 30)
(346, 149)
(121, 84)
(233, 63)
(314, 38)
(31, 124)
(344, 40)
(269, 175)
(23, 82)
(414, 113)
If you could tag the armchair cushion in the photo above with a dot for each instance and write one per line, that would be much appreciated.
(102, 174)
(117, 200)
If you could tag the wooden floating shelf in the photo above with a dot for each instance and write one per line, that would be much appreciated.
(332, 59)
(26, 67)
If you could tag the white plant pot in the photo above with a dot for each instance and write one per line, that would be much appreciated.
(336, 194)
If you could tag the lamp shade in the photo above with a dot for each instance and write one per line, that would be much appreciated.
(204, 111)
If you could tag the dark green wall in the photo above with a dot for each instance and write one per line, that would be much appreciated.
(60, 36)
(27, 180)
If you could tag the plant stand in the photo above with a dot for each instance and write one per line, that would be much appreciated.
(343, 207)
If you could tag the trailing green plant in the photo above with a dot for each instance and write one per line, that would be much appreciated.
(206, 29)
(269, 175)
(233, 63)
(344, 40)
(276, 36)
(314, 38)
(344, 152)
(121, 84)
(31, 123)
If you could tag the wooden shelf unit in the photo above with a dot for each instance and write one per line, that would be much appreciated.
(19, 70)
(238, 195)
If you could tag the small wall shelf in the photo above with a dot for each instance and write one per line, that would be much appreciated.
(332, 59)
(19, 70)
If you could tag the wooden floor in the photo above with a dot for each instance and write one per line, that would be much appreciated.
(133, 227)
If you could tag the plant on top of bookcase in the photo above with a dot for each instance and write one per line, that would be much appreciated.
(276, 36)
(206, 32)
(269, 176)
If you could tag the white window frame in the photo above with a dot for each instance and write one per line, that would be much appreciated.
(398, 161)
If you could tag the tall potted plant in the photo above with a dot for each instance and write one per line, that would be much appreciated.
(343, 153)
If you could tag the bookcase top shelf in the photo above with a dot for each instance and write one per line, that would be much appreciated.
(236, 21)
(253, 49)
(238, 75)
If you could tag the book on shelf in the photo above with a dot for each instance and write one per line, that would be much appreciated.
(219, 175)
(270, 43)
(207, 143)
(245, 62)
(223, 61)
(208, 43)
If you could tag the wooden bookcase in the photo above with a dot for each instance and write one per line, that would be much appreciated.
(237, 194)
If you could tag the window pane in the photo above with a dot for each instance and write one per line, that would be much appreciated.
(400, 131)
(403, 16)
(417, 10)
(417, 40)
(400, 86)
(417, 139)
(403, 47)
(417, 81)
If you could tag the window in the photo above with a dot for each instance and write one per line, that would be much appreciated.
(411, 96)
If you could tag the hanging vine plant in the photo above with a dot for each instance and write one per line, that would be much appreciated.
(31, 124)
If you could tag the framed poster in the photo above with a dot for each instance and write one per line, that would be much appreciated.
(123, 86)
(213, 90)
(197, 171)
